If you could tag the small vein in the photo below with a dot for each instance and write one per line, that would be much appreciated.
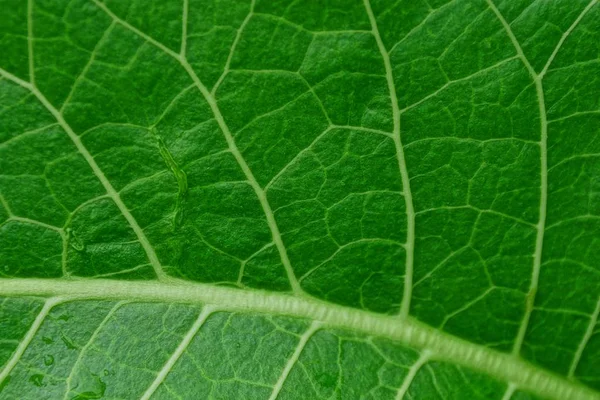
(149, 39)
(361, 128)
(238, 35)
(183, 345)
(318, 100)
(455, 81)
(417, 27)
(315, 326)
(408, 201)
(4, 204)
(240, 277)
(30, 41)
(465, 307)
(565, 35)
(584, 341)
(412, 372)
(184, 23)
(170, 106)
(434, 380)
(87, 66)
(24, 344)
(543, 143)
(21, 135)
(297, 157)
(510, 390)
(35, 222)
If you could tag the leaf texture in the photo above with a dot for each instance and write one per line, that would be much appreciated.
(259, 199)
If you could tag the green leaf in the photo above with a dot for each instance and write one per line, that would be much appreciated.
(225, 199)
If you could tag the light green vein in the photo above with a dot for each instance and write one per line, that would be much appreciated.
(409, 331)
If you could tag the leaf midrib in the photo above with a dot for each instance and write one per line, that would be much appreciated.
(408, 331)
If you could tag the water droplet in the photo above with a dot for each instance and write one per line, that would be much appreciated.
(106, 372)
(70, 345)
(96, 392)
(37, 380)
(48, 360)
(64, 317)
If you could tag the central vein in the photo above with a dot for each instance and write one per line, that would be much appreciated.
(408, 331)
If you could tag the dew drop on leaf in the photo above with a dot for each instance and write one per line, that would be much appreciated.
(37, 379)
(64, 317)
(96, 393)
(68, 342)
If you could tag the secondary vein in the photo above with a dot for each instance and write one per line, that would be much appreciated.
(584, 341)
(315, 326)
(543, 143)
(30, 41)
(412, 372)
(185, 342)
(408, 201)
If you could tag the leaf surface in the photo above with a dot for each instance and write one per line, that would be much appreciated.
(300, 200)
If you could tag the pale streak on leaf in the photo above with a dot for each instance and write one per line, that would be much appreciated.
(469, 355)
(212, 102)
(178, 173)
